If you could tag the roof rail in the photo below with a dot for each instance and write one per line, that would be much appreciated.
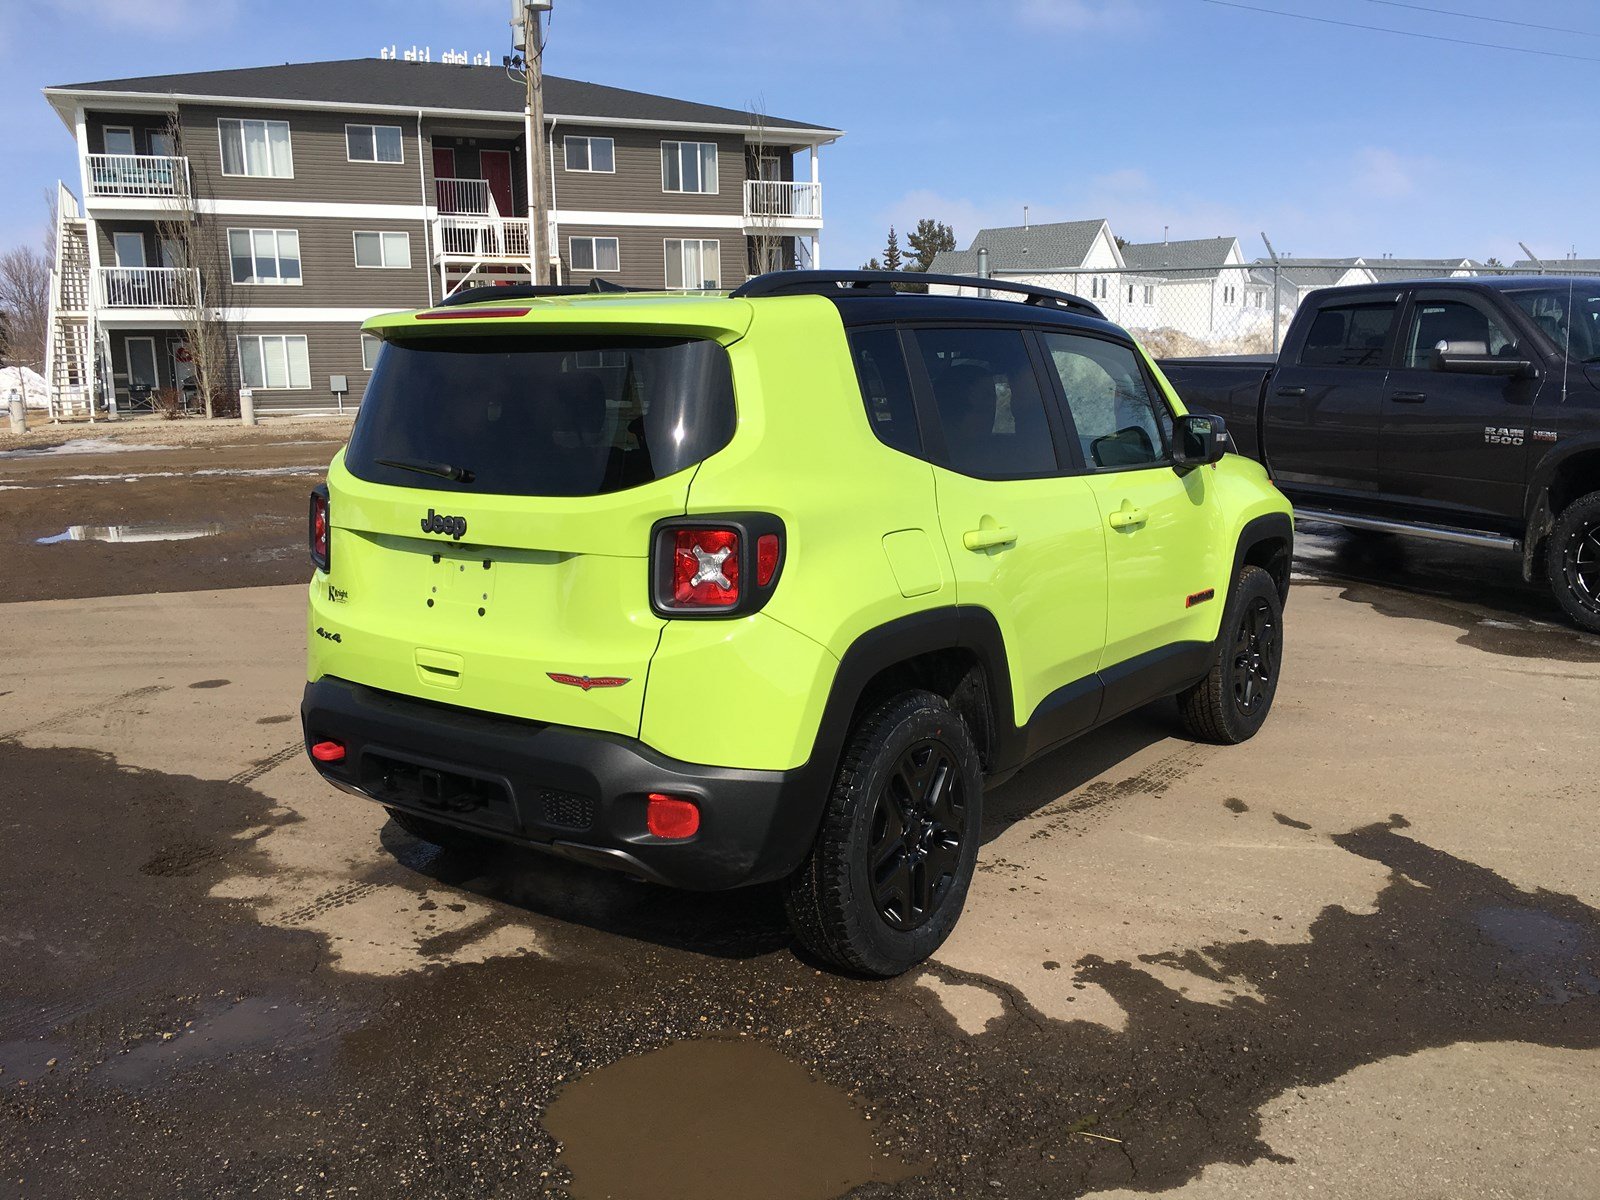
(527, 291)
(836, 283)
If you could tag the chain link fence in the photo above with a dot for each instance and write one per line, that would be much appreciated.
(1183, 312)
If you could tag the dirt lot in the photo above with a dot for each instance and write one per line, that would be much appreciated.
(1358, 956)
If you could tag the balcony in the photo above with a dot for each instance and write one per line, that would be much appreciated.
(775, 204)
(464, 196)
(476, 238)
(146, 287)
(147, 176)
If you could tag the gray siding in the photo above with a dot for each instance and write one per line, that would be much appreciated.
(330, 277)
(642, 254)
(332, 349)
(636, 185)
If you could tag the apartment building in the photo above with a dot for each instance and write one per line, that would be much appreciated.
(290, 203)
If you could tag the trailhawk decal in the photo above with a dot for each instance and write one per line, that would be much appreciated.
(588, 681)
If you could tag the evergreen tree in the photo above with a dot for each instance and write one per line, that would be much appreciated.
(893, 260)
(926, 240)
(872, 264)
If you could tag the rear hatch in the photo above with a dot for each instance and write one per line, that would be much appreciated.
(491, 515)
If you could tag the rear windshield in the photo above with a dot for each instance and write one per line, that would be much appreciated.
(541, 416)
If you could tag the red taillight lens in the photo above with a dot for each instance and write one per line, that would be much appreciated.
(328, 752)
(766, 558)
(705, 568)
(319, 529)
(672, 816)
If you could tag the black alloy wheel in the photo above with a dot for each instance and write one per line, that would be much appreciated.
(1573, 561)
(919, 821)
(1255, 656)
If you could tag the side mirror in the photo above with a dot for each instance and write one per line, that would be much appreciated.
(1198, 440)
(1473, 358)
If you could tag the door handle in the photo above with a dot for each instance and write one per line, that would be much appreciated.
(1409, 397)
(1127, 517)
(1291, 391)
(989, 537)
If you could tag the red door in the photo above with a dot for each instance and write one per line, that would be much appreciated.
(444, 167)
(496, 168)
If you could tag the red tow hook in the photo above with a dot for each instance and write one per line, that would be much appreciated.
(328, 752)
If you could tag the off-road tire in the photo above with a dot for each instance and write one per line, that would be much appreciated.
(1215, 709)
(831, 899)
(446, 837)
(1572, 561)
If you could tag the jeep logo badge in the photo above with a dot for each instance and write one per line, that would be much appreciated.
(437, 523)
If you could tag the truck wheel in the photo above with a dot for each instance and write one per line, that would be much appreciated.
(886, 880)
(1233, 700)
(446, 837)
(1572, 558)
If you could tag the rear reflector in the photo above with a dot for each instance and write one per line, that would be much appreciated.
(467, 314)
(766, 558)
(328, 752)
(672, 816)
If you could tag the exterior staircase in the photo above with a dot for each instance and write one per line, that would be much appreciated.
(71, 351)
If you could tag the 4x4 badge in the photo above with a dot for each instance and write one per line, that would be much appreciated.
(587, 681)
(439, 523)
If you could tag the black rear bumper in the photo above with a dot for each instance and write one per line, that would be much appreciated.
(573, 792)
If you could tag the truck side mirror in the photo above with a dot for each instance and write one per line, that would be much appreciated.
(1473, 358)
(1198, 440)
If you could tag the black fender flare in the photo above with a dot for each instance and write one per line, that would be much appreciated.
(1541, 515)
(1271, 527)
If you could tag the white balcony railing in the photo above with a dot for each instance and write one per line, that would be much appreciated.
(463, 196)
(147, 287)
(776, 199)
(476, 237)
(138, 175)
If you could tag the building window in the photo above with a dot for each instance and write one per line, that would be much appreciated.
(689, 167)
(392, 250)
(593, 254)
(256, 148)
(1149, 293)
(274, 361)
(374, 143)
(590, 154)
(119, 139)
(1228, 293)
(1130, 293)
(369, 351)
(264, 256)
(694, 264)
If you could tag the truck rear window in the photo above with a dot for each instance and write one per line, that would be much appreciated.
(540, 416)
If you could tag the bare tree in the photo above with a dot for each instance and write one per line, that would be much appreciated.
(194, 241)
(768, 249)
(25, 299)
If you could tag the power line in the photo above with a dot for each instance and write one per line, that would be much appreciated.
(1465, 16)
(1431, 37)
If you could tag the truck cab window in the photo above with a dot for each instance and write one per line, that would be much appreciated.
(1348, 335)
(1468, 328)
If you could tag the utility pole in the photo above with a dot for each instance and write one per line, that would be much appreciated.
(531, 35)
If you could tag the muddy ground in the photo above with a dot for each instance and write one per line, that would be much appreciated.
(1358, 956)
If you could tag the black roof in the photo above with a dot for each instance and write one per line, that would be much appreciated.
(1488, 283)
(432, 85)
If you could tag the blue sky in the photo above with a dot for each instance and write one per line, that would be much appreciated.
(1204, 117)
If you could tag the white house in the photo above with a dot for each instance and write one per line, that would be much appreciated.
(1074, 256)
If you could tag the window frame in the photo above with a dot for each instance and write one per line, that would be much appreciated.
(716, 168)
(921, 453)
(372, 127)
(1422, 297)
(594, 239)
(701, 287)
(589, 139)
(280, 281)
(1387, 353)
(241, 122)
(384, 265)
(260, 339)
(1074, 438)
(376, 341)
(127, 359)
(133, 139)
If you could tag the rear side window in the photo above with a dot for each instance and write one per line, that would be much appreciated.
(886, 388)
(541, 416)
(990, 406)
(1119, 422)
(1348, 335)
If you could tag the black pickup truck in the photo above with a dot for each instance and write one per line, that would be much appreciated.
(1464, 409)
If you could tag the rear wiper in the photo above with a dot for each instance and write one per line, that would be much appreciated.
(442, 470)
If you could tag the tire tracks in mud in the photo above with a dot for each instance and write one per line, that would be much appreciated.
(85, 710)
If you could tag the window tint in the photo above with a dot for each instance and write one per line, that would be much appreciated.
(1553, 310)
(886, 388)
(1472, 330)
(1348, 335)
(542, 416)
(989, 402)
(1120, 423)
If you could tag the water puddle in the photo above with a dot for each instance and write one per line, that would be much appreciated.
(80, 446)
(1544, 948)
(23, 1061)
(718, 1117)
(130, 533)
(255, 1026)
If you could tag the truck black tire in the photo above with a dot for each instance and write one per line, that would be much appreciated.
(1229, 705)
(446, 837)
(1572, 559)
(888, 875)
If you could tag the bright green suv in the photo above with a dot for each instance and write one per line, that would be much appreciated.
(719, 589)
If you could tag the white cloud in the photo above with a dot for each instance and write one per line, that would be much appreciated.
(1386, 175)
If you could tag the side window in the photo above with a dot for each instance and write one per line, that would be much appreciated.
(1348, 335)
(886, 388)
(1472, 330)
(1120, 422)
(989, 402)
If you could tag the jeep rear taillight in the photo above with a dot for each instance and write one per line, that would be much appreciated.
(705, 568)
(318, 528)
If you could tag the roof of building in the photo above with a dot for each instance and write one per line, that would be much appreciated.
(1416, 268)
(1193, 257)
(436, 86)
(1589, 266)
(1060, 246)
(1307, 272)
